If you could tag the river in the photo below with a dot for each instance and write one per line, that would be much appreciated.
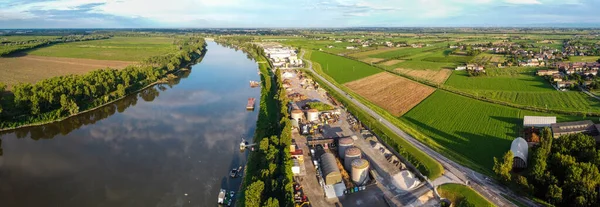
(170, 145)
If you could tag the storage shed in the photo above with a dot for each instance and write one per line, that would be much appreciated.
(330, 170)
(520, 150)
(538, 121)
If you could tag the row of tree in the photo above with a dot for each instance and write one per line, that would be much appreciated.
(57, 97)
(22, 45)
(269, 178)
(562, 171)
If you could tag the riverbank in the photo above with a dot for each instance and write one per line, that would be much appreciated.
(197, 59)
(268, 178)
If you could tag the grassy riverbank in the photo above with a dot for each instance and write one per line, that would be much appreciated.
(268, 177)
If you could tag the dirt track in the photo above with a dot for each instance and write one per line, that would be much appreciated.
(31, 68)
(394, 93)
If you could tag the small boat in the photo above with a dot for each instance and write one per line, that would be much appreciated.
(250, 105)
(233, 173)
(253, 84)
(239, 171)
(231, 197)
(222, 196)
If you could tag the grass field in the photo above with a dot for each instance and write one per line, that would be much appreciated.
(521, 87)
(391, 92)
(470, 131)
(341, 69)
(457, 193)
(584, 59)
(32, 68)
(116, 48)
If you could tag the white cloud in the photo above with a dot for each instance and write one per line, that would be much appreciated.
(523, 1)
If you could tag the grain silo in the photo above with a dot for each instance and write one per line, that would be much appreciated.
(312, 115)
(297, 115)
(343, 144)
(360, 171)
(331, 173)
(350, 155)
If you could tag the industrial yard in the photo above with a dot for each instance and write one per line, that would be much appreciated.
(337, 160)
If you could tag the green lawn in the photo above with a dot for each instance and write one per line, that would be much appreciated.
(457, 193)
(521, 87)
(470, 131)
(116, 48)
(584, 59)
(341, 69)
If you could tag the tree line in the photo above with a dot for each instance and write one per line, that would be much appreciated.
(61, 96)
(19, 46)
(562, 171)
(269, 177)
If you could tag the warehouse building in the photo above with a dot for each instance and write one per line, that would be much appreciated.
(520, 149)
(330, 170)
(538, 121)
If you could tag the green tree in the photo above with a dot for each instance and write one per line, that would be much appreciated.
(120, 90)
(554, 194)
(272, 202)
(253, 194)
(503, 169)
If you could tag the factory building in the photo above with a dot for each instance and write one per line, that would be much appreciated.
(331, 173)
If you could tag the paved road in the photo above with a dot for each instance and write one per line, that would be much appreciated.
(588, 93)
(453, 171)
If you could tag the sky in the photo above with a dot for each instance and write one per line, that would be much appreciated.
(295, 13)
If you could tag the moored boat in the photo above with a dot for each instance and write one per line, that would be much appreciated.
(222, 196)
(250, 105)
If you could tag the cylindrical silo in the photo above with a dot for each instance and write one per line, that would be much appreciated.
(312, 115)
(360, 171)
(297, 115)
(350, 155)
(343, 144)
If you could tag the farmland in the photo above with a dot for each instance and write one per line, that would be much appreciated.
(116, 48)
(521, 87)
(341, 69)
(391, 92)
(435, 76)
(584, 58)
(470, 131)
(31, 68)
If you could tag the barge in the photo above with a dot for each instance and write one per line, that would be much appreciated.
(250, 105)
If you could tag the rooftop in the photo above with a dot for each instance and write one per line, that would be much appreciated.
(538, 121)
(574, 127)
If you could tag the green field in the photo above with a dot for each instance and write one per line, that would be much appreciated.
(116, 48)
(520, 86)
(470, 131)
(457, 193)
(341, 69)
(584, 59)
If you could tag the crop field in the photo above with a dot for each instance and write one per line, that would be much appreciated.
(435, 76)
(521, 87)
(391, 62)
(342, 69)
(116, 48)
(391, 92)
(374, 52)
(584, 59)
(31, 68)
(404, 53)
(471, 131)
(459, 193)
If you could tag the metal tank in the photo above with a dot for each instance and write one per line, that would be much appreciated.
(350, 155)
(297, 115)
(312, 115)
(343, 144)
(360, 171)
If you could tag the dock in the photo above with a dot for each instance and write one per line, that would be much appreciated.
(250, 105)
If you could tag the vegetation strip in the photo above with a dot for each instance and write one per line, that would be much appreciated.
(461, 195)
(268, 180)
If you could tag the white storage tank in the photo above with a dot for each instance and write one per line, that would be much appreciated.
(297, 115)
(360, 171)
(350, 155)
(343, 144)
(312, 115)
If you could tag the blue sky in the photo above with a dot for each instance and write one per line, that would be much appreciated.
(295, 13)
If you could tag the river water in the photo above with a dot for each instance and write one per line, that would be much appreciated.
(149, 149)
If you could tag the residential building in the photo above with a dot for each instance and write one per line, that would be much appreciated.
(564, 128)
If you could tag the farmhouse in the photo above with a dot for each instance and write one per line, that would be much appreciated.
(564, 128)
(565, 84)
(538, 121)
(520, 149)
